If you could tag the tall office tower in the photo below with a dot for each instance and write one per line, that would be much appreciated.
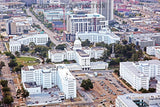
(106, 9)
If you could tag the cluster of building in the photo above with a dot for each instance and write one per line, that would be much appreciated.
(81, 55)
(138, 74)
(145, 39)
(38, 77)
(16, 42)
(18, 25)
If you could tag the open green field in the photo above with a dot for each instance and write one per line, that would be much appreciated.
(27, 61)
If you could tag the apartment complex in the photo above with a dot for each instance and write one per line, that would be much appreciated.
(104, 35)
(138, 74)
(47, 76)
(138, 100)
(18, 25)
(16, 42)
(85, 22)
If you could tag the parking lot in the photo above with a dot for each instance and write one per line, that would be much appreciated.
(106, 88)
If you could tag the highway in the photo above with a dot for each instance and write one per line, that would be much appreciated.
(49, 32)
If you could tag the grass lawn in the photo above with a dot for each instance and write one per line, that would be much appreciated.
(27, 61)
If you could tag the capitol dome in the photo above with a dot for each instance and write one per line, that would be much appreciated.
(77, 44)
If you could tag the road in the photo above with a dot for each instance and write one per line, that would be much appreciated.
(49, 32)
(8, 76)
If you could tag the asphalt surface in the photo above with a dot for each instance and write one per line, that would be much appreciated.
(49, 32)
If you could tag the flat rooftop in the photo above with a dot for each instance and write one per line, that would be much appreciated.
(129, 99)
(42, 99)
(34, 67)
(131, 66)
(99, 48)
(30, 84)
(82, 53)
(65, 73)
(86, 16)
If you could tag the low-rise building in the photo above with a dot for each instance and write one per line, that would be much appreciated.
(138, 100)
(105, 35)
(16, 42)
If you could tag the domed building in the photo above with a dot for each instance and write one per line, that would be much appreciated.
(77, 44)
(81, 55)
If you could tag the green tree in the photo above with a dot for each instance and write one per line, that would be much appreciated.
(2, 64)
(18, 92)
(48, 60)
(18, 68)
(87, 84)
(24, 48)
(17, 53)
(25, 93)
(12, 56)
(50, 44)
(5, 89)
(124, 42)
(7, 53)
(41, 51)
(117, 72)
(147, 58)
(4, 83)
(101, 44)
(7, 99)
(61, 46)
(32, 45)
(151, 90)
(87, 43)
(12, 63)
(49, 25)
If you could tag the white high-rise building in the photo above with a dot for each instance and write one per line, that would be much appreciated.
(48, 76)
(66, 82)
(139, 73)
